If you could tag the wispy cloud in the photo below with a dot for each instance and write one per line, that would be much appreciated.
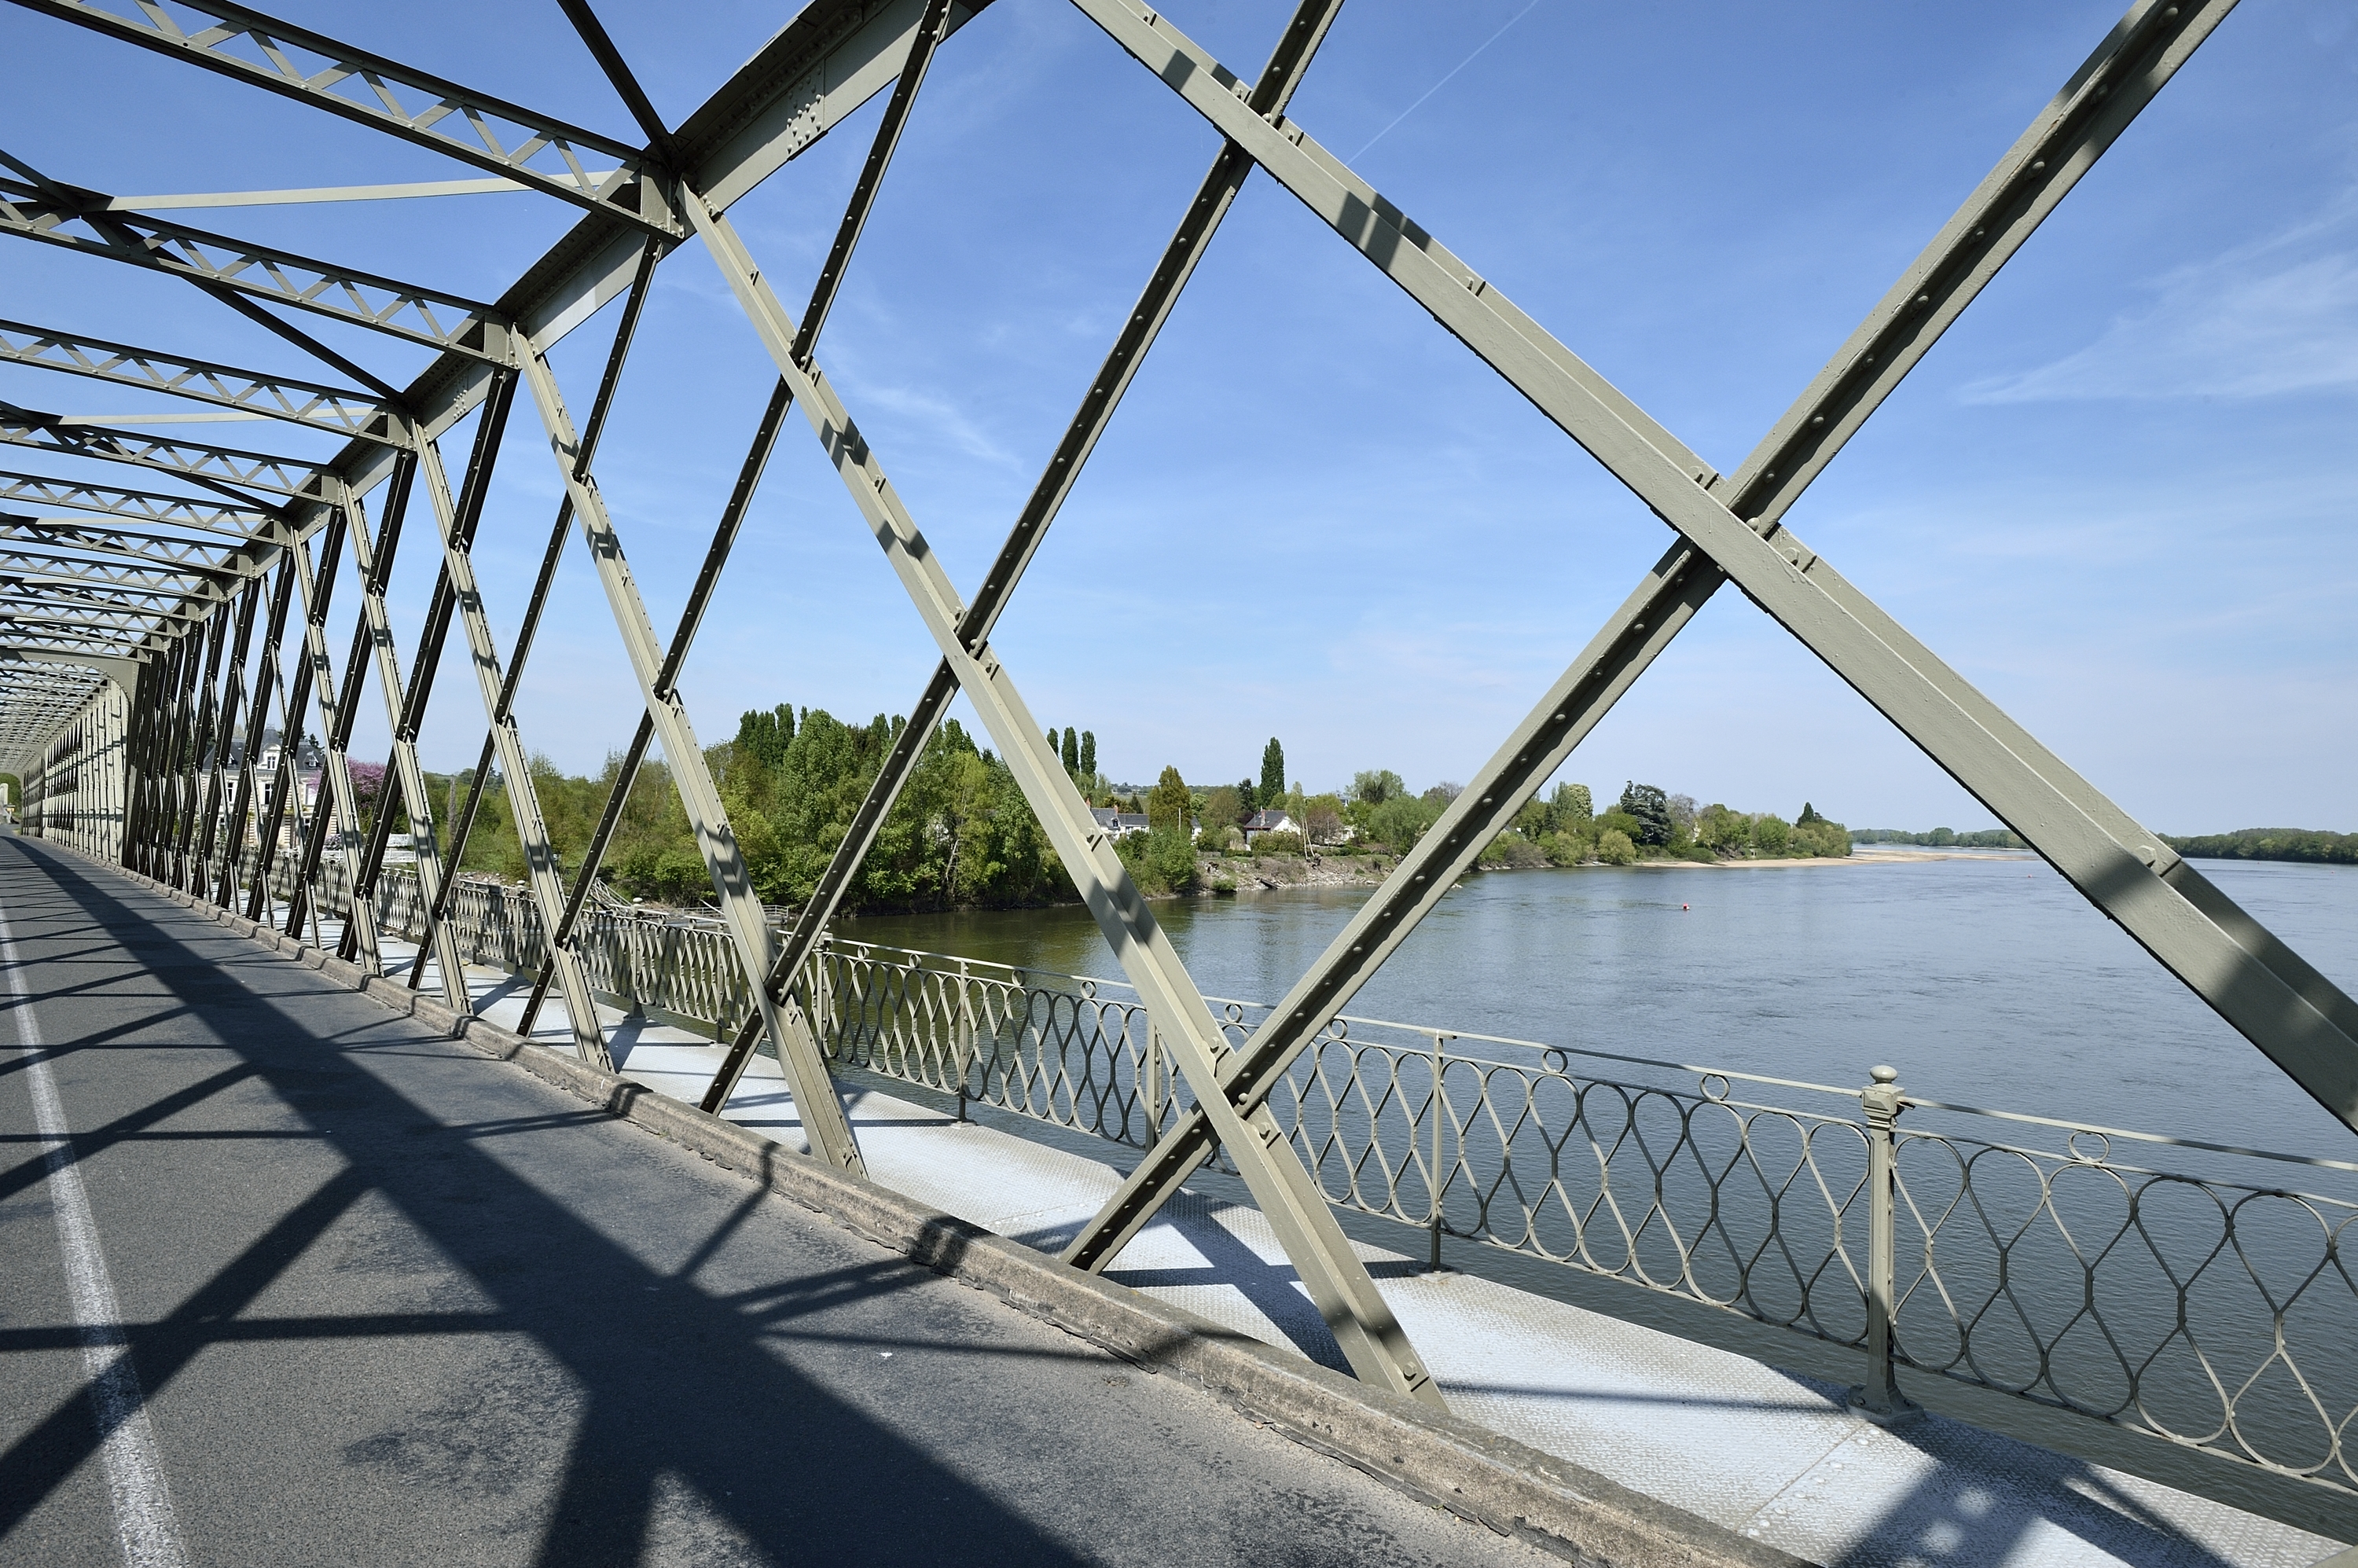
(937, 414)
(2279, 316)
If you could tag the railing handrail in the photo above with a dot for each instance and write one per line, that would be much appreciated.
(1730, 1075)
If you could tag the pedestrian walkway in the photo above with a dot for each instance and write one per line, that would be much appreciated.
(289, 1278)
(1774, 1455)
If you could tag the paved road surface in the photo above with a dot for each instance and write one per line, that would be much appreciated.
(389, 1301)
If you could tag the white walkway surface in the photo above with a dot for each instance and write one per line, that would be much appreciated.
(1768, 1454)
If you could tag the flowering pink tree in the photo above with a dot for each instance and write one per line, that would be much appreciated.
(368, 783)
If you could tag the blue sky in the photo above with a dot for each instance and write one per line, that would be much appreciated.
(2118, 496)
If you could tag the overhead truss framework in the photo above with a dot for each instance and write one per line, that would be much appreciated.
(152, 600)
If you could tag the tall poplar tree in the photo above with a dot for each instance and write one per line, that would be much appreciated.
(1273, 772)
(1072, 752)
(1089, 753)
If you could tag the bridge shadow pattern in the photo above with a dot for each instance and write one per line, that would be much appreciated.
(566, 1378)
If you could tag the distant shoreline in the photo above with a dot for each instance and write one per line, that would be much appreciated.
(1268, 875)
(1879, 855)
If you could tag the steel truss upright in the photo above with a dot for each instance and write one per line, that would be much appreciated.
(169, 585)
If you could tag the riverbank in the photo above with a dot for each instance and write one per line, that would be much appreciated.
(1269, 873)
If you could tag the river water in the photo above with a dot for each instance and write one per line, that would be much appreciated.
(1986, 981)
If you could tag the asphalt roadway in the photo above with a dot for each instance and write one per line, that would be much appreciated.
(307, 1283)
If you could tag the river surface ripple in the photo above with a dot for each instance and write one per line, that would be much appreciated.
(1986, 981)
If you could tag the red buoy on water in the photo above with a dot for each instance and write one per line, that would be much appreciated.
(1682, 906)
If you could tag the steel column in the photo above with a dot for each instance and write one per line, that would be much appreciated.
(1214, 196)
(616, 353)
(1338, 1283)
(457, 521)
(341, 804)
(824, 1123)
(266, 683)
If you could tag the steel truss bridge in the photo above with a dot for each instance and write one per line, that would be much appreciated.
(134, 686)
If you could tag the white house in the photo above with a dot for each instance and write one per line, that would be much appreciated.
(1117, 824)
(1262, 822)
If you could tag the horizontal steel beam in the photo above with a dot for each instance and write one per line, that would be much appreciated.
(102, 571)
(307, 195)
(222, 551)
(388, 96)
(151, 506)
(255, 393)
(358, 298)
(227, 470)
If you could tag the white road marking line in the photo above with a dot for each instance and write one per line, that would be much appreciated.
(135, 1470)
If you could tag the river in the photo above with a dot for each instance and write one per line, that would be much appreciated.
(1986, 981)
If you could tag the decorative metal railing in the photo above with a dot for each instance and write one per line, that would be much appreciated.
(662, 960)
(2210, 1304)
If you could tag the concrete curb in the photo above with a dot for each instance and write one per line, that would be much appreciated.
(1437, 1458)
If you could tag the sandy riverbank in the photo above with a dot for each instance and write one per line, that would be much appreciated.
(1878, 856)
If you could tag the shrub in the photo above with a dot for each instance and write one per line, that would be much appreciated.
(1401, 820)
(1614, 847)
(1770, 833)
(1166, 861)
(1511, 851)
(1828, 840)
(1621, 822)
(1568, 848)
(1277, 844)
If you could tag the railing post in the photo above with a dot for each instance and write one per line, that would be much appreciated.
(1879, 1399)
(821, 992)
(1154, 1085)
(1434, 1181)
(965, 1050)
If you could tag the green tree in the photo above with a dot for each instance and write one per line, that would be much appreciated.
(1224, 809)
(1072, 753)
(765, 737)
(1170, 803)
(1771, 834)
(1377, 787)
(1651, 808)
(1401, 820)
(1089, 753)
(1723, 831)
(1614, 847)
(1821, 837)
(1619, 821)
(1273, 772)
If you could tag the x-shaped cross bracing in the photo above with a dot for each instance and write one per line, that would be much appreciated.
(1729, 526)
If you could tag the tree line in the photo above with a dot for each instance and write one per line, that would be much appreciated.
(962, 835)
(1940, 838)
(2314, 846)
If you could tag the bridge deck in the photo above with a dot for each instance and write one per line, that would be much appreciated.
(389, 1301)
(203, 1081)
